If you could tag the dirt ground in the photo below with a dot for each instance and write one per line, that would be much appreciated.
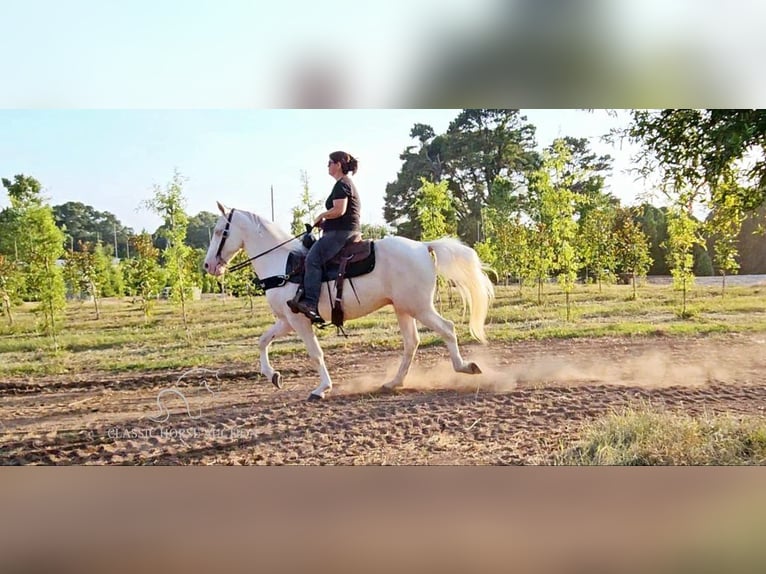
(530, 401)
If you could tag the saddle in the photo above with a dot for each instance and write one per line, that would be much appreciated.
(357, 257)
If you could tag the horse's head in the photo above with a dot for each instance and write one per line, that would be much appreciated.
(227, 239)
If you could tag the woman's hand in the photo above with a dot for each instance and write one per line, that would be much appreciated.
(338, 210)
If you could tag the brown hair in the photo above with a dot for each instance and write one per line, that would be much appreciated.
(347, 161)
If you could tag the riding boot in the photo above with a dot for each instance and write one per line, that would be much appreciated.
(309, 310)
(293, 303)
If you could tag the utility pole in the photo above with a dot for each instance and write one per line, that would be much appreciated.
(115, 241)
(127, 248)
(272, 203)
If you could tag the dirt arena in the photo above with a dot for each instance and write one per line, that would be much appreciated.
(530, 401)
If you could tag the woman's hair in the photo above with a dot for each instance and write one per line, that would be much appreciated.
(347, 162)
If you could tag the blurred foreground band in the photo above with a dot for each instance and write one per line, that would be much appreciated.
(351, 520)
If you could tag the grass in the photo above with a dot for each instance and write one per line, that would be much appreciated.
(651, 437)
(225, 332)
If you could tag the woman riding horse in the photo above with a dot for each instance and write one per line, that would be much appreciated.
(340, 224)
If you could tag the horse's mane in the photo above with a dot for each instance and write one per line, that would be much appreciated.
(272, 228)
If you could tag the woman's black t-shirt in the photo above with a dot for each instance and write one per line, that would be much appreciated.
(349, 221)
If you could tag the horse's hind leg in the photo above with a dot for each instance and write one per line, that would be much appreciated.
(431, 319)
(411, 341)
(278, 329)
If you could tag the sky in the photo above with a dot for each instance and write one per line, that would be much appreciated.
(196, 54)
(101, 101)
(113, 159)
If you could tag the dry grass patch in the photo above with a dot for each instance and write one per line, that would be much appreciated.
(651, 437)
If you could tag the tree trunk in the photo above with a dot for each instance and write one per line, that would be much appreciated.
(7, 305)
(95, 299)
(635, 294)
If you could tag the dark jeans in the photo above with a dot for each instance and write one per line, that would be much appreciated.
(328, 246)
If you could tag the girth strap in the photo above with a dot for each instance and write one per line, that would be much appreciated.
(274, 281)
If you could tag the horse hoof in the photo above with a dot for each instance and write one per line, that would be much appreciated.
(474, 369)
(388, 390)
(276, 380)
(313, 397)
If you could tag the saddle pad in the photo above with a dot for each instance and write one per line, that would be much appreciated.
(330, 273)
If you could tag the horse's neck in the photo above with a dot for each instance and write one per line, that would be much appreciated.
(261, 237)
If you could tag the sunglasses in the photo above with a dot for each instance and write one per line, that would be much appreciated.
(329, 163)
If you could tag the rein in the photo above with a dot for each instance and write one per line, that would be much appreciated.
(245, 263)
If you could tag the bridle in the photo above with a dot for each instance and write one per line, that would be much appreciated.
(243, 264)
(224, 236)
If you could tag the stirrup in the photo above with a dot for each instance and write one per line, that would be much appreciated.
(312, 314)
(293, 303)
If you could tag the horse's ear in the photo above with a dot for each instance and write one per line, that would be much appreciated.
(223, 208)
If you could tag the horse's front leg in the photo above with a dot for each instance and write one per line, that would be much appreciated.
(278, 329)
(304, 329)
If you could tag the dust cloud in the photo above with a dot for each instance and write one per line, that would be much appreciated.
(505, 371)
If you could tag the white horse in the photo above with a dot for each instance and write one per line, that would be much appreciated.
(404, 276)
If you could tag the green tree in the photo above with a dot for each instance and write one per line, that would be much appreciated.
(143, 275)
(112, 283)
(696, 149)
(479, 146)
(653, 223)
(435, 210)
(8, 233)
(597, 245)
(683, 235)
(11, 282)
(506, 238)
(200, 228)
(24, 191)
(40, 247)
(89, 270)
(307, 208)
(373, 231)
(435, 216)
(541, 256)
(84, 223)
(169, 204)
(554, 209)
(40, 244)
(243, 283)
(724, 225)
(632, 254)
(425, 160)
(482, 145)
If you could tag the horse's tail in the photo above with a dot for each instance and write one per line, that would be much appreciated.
(459, 263)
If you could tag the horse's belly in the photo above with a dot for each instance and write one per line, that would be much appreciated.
(370, 299)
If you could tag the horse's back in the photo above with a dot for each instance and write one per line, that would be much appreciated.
(404, 275)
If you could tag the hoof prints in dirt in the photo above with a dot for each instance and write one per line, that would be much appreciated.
(428, 427)
(246, 420)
